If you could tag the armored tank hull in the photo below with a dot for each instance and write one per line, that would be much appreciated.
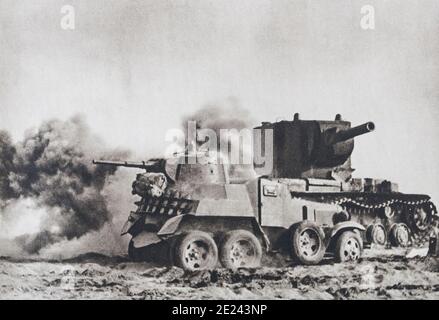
(199, 218)
(319, 152)
(306, 204)
(237, 223)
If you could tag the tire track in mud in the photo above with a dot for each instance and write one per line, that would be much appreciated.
(376, 277)
(94, 276)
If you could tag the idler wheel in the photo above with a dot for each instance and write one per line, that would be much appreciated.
(307, 243)
(349, 247)
(240, 249)
(196, 250)
(376, 234)
(400, 235)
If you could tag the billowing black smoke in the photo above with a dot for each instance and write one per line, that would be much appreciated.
(7, 154)
(53, 166)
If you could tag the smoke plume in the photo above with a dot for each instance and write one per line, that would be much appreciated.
(232, 117)
(55, 203)
(52, 170)
(227, 116)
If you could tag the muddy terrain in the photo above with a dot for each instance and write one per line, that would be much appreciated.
(381, 274)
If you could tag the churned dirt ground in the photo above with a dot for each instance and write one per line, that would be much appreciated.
(381, 274)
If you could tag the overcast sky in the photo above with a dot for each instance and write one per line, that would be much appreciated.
(135, 68)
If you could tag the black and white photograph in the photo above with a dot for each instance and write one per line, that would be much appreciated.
(236, 151)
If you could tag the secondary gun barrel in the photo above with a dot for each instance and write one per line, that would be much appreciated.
(344, 135)
(130, 164)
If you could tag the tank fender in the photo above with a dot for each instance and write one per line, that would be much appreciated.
(145, 238)
(171, 225)
(265, 238)
(345, 225)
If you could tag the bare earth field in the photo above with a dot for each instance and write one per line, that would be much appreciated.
(381, 274)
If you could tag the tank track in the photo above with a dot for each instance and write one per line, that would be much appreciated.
(417, 212)
(403, 212)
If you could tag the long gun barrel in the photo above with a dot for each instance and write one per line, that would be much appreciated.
(353, 132)
(147, 165)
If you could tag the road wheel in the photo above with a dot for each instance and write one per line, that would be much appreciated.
(349, 247)
(196, 250)
(307, 243)
(400, 235)
(376, 234)
(240, 249)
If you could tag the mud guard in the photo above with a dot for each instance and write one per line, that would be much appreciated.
(258, 227)
(346, 225)
(170, 226)
(145, 238)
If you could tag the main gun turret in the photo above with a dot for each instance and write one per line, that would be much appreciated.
(311, 148)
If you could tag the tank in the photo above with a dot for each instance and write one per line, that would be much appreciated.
(191, 213)
(319, 153)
